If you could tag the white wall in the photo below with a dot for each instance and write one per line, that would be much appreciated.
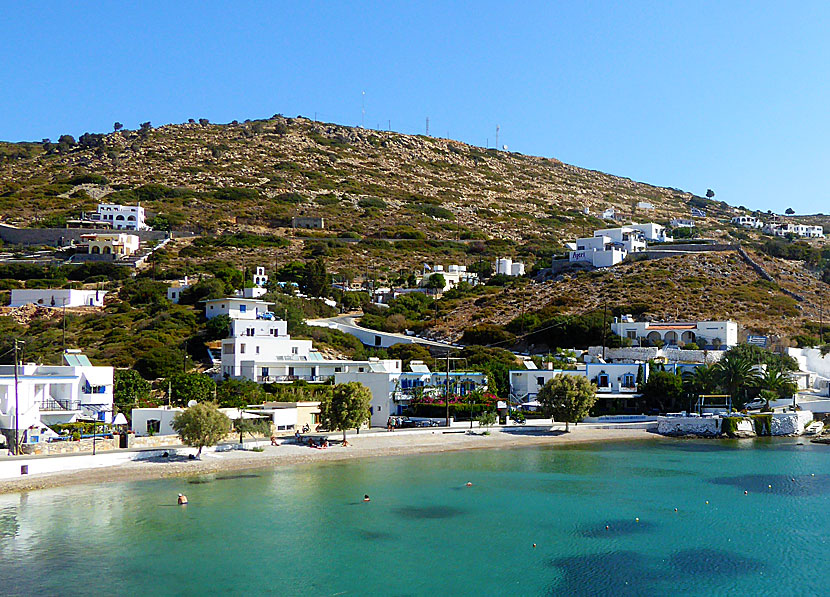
(44, 297)
(382, 386)
(140, 416)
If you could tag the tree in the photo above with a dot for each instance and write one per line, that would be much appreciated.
(185, 387)
(777, 382)
(315, 281)
(790, 211)
(568, 398)
(204, 121)
(346, 407)
(218, 328)
(663, 390)
(436, 282)
(736, 376)
(117, 126)
(160, 361)
(710, 193)
(703, 380)
(239, 393)
(487, 419)
(201, 425)
(129, 390)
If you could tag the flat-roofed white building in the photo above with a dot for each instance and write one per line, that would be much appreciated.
(682, 223)
(50, 394)
(174, 291)
(57, 297)
(122, 217)
(110, 243)
(237, 307)
(706, 334)
(747, 221)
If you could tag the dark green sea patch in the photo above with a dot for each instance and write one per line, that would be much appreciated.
(617, 528)
(613, 573)
(428, 512)
(794, 486)
(714, 562)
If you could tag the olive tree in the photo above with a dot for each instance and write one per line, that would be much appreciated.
(568, 398)
(201, 425)
(347, 406)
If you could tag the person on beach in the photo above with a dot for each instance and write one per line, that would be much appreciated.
(182, 499)
(389, 424)
(273, 440)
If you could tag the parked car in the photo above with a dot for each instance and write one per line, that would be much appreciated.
(756, 404)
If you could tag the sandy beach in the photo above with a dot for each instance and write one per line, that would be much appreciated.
(374, 445)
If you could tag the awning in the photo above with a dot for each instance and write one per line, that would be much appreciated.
(120, 419)
(234, 414)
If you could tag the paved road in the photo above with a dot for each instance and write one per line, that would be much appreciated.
(348, 324)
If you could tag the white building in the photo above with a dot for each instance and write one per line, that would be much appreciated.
(453, 276)
(801, 230)
(236, 308)
(613, 380)
(109, 243)
(644, 205)
(58, 297)
(682, 223)
(51, 394)
(609, 214)
(747, 221)
(122, 217)
(174, 292)
(508, 267)
(652, 232)
(706, 334)
(154, 421)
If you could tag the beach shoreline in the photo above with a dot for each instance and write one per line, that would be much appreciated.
(375, 445)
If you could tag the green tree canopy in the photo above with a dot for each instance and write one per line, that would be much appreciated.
(347, 407)
(129, 390)
(316, 280)
(568, 398)
(239, 393)
(436, 282)
(201, 425)
(191, 386)
(663, 391)
(218, 328)
(160, 361)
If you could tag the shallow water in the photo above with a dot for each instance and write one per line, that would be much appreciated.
(305, 530)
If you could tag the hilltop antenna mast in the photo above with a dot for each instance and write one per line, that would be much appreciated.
(497, 137)
(363, 110)
(427, 126)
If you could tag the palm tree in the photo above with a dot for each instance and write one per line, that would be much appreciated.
(702, 380)
(736, 375)
(777, 381)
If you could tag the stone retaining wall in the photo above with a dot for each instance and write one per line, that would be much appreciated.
(62, 236)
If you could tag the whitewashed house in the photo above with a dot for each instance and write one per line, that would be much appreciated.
(706, 334)
(801, 230)
(613, 380)
(453, 275)
(57, 297)
(746, 221)
(174, 291)
(236, 307)
(508, 267)
(111, 243)
(122, 217)
(51, 394)
(682, 223)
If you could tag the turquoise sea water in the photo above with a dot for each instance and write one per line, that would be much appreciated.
(305, 530)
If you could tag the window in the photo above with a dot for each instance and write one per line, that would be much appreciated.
(628, 380)
(243, 308)
(265, 371)
(602, 380)
(153, 426)
(295, 350)
(241, 349)
(257, 349)
(540, 381)
(632, 334)
(315, 418)
(338, 369)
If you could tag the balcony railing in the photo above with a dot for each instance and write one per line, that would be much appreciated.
(290, 378)
(50, 404)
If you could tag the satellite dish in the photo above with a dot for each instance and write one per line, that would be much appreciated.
(191, 403)
(504, 147)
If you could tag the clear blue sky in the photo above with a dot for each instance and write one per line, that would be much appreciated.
(731, 95)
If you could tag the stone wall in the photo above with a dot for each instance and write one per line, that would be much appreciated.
(69, 447)
(645, 353)
(62, 236)
(789, 423)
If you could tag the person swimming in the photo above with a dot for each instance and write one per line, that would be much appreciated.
(366, 497)
(182, 499)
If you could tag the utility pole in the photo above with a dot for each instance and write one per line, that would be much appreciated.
(497, 137)
(604, 312)
(427, 126)
(64, 324)
(363, 110)
(16, 400)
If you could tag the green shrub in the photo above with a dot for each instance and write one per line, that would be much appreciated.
(763, 424)
(368, 202)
